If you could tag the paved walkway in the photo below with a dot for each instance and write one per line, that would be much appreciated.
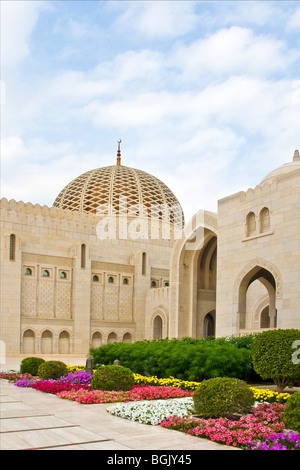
(34, 420)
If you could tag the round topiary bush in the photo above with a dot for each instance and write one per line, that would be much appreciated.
(291, 416)
(223, 397)
(273, 356)
(52, 370)
(30, 365)
(113, 377)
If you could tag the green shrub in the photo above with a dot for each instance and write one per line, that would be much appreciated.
(187, 359)
(113, 377)
(223, 397)
(30, 365)
(52, 370)
(291, 417)
(272, 356)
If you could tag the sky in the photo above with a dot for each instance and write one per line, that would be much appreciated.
(205, 95)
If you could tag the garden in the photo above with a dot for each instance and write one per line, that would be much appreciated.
(218, 406)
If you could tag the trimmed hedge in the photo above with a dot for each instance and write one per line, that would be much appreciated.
(113, 377)
(223, 397)
(291, 417)
(186, 359)
(272, 356)
(30, 365)
(52, 370)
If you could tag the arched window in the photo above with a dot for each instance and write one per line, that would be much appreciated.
(251, 224)
(144, 263)
(12, 247)
(264, 220)
(46, 273)
(28, 272)
(111, 279)
(95, 278)
(83, 256)
(166, 284)
(63, 275)
(125, 281)
(153, 283)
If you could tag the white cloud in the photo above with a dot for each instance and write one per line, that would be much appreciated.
(293, 23)
(231, 51)
(158, 19)
(35, 170)
(249, 12)
(209, 116)
(18, 19)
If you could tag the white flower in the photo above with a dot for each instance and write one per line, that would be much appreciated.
(153, 412)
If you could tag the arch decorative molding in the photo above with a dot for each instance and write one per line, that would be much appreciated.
(262, 263)
(162, 312)
(195, 227)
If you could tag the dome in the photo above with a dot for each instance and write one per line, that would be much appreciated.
(284, 169)
(121, 190)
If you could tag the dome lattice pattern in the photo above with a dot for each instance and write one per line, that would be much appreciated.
(120, 190)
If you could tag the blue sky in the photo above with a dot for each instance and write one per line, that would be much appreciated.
(205, 95)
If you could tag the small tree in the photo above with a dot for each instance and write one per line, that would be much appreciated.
(273, 356)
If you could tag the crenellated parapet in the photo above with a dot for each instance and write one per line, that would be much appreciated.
(47, 217)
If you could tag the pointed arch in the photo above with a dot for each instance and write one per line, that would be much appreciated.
(64, 342)
(28, 340)
(47, 342)
(184, 272)
(268, 274)
(159, 323)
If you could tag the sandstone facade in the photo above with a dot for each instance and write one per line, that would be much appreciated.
(66, 288)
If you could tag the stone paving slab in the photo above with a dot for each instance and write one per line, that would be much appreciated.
(32, 423)
(47, 438)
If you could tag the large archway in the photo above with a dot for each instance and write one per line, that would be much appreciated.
(193, 276)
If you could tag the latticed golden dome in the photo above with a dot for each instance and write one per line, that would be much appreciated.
(121, 190)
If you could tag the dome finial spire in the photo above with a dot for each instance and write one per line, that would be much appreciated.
(119, 153)
(296, 156)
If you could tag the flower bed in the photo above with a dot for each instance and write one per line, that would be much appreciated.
(168, 382)
(55, 386)
(153, 413)
(283, 441)
(13, 376)
(269, 396)
(265, 420)
(136, 394)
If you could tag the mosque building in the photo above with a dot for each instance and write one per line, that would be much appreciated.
(114, 260)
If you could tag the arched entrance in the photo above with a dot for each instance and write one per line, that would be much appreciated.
(193, 277)
(209, 324)
(260, 276)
